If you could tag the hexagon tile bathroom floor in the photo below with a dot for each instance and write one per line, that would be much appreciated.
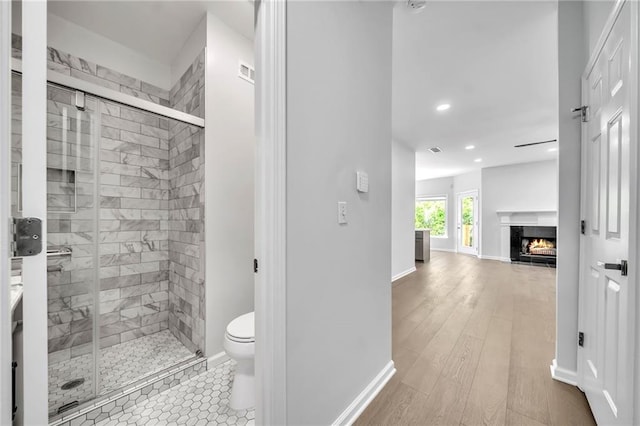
(203, 400)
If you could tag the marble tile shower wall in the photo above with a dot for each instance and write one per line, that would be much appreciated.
(186, 212)
(134, 194)
(187, 95)
(82, 69)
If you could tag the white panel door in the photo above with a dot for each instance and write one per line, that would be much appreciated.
(607, 295)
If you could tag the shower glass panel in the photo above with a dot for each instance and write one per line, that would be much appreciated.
(72, 246)
(125, 242)
(151, 223)
(72, 257)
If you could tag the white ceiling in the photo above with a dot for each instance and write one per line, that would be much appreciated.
(495, 63)
(157, 29)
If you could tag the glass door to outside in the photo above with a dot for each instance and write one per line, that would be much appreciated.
(468, 222)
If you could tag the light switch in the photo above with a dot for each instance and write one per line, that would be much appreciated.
(342, 212)
(362, 182)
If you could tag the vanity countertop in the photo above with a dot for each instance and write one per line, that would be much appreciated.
(16, 292)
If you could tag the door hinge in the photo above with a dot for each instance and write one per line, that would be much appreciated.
(583, 227)
(255, 266)
(584, 112)
(580, 339)
(27, 236)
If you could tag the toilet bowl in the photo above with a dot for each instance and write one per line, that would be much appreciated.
(239, 343)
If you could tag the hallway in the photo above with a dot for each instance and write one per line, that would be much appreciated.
(472, 344)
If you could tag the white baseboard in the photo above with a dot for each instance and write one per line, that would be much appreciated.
(563, 375)
(362, 401)
(501, 259)
(217, 359)
(443, 249)
(403, 274)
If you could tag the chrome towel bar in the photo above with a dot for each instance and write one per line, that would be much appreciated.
(62, 251)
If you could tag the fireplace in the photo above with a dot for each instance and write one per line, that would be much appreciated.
(534, 244)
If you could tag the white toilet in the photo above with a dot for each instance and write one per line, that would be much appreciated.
(239, 343)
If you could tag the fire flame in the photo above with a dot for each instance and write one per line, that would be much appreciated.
(541, 243)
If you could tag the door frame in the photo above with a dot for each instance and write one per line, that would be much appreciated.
(475, 250)
(34, 268)
(634, 196)
(271, 212)
(5, 213)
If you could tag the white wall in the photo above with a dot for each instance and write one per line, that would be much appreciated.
(81, 42)
(229, 184)
(595, 16)
(527, 186)
(437, 188)
(571, 63)
(467, 182)
(190, 50)
(403, 199)
(338, 122)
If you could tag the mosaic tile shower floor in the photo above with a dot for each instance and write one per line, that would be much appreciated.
(203, 400)
(120, 365)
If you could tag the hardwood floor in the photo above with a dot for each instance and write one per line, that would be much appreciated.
(472, 344)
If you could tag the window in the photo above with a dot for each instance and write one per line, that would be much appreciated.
(431, 213)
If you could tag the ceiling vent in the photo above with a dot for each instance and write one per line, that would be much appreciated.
(246, 72)
(435, 150)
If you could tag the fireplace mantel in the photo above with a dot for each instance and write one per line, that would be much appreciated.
(509, 218)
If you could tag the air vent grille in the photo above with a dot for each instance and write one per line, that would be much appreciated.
(247, 73)
(435, 150)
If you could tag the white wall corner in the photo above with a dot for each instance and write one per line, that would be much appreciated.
(270, 213)
(189, 52)
(217, 359)
(403, 274)
(91, 46)
(563, 375)
(362, 401)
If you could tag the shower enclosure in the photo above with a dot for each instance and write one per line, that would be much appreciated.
(125, 248)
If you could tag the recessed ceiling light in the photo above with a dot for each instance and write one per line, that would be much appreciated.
(478, 160)
(469, 147)
(552, 149)
(443, 107)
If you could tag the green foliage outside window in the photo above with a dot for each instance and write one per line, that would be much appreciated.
(467, 211)
(432, 214)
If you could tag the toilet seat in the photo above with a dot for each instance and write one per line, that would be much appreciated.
(242, 329)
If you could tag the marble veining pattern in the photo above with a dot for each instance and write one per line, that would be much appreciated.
(186, 212)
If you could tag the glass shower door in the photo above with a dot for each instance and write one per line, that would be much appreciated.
(73, 212)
